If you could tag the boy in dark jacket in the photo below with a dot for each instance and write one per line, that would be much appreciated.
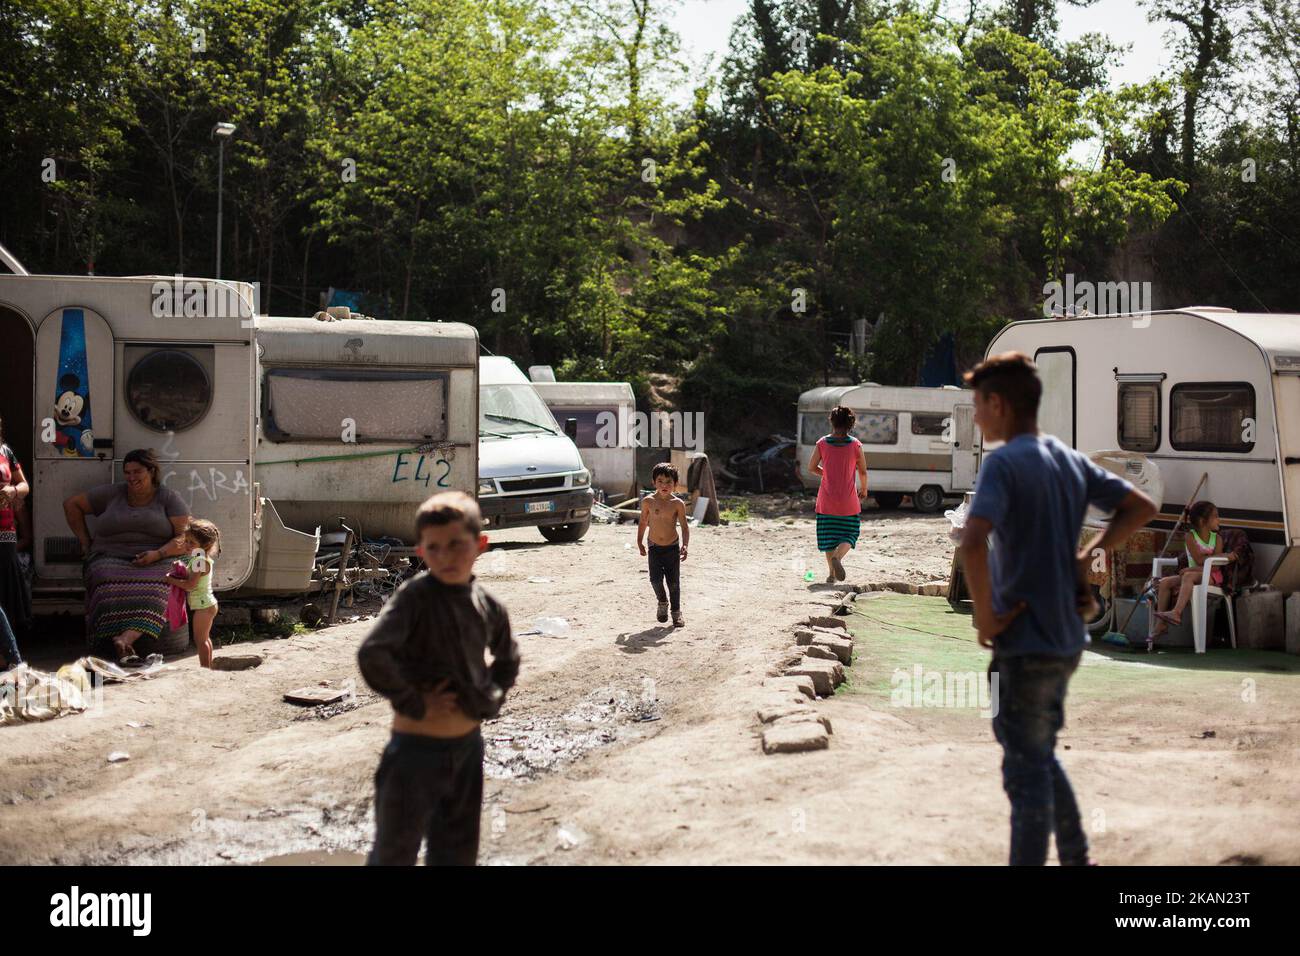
(425, 653)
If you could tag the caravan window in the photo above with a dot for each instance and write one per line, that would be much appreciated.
(168, 389)
(924, 423)
(590, 423)
(813, 425)
(312, 404)
(1139, 416)
(1212, 416)
(877, 428)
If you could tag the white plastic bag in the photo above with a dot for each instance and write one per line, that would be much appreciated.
(958, 518)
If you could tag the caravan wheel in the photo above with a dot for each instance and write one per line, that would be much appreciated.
(888, 500)
(928, 500)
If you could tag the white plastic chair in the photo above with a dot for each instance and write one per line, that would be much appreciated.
(1156, 565)
(1199, 602)
(1200, 598)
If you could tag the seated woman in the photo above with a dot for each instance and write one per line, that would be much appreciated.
(1202, 541)
(140, 528)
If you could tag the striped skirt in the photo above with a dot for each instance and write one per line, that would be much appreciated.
(834, 530)
(121, 597)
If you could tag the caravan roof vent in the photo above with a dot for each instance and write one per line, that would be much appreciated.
(1207, 308)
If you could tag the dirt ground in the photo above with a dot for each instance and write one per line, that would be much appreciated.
(629, 742)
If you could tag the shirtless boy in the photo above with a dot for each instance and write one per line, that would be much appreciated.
(661, 513)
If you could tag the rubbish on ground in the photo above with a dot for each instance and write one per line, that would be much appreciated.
(75, 674)
(569, 838)
(957, 516)
(112, 673)
(27, 694)
(701, 507)
(314, 696)
(137, 725)
(603, 513)
(539, 580)
(117, 756)
(550, 626)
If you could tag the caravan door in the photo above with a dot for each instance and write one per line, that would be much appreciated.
(73, 451)
(963, 447)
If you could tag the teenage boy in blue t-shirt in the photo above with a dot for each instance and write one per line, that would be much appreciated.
(1031, 591)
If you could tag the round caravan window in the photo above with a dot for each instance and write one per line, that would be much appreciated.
(168, 390)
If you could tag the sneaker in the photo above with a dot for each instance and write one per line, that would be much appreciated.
(678, 620)
(663, 611)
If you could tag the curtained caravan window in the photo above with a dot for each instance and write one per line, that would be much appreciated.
(312, 404)
(1139, 416)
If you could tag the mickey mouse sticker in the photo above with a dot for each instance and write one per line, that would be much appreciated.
(75, 441)
(72, 420)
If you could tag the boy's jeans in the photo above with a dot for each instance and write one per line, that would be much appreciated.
(1030, 712)
(428, 788)
(666, 563)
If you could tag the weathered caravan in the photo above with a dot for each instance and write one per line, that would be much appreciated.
(599, 407)
(1200, 391)
(918, 441)
(363, 419)
(94, 367)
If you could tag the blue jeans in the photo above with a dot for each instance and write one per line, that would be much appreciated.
(1030, 712)
(9, 656)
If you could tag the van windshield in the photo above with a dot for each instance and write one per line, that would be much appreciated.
(512, 410)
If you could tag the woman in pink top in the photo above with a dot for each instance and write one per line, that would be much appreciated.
(839, 460)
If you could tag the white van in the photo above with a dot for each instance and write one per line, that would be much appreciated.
(529, 470)
(919, 441)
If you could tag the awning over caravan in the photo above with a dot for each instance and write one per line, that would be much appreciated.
(826, 398)
(364, 342)
(586, 393)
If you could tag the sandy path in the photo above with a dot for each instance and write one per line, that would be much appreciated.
(228, 772)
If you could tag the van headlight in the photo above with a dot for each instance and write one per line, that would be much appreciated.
(581, 478)
(486, 487)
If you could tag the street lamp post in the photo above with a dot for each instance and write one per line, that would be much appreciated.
(221, 132)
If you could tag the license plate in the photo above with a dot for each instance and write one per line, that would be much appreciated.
(533, 507)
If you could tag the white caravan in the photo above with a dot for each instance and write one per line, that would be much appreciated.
(529, 470)
(363, 419)
(594, 406)
(1200, 391)
(918, 441)
(93, 367)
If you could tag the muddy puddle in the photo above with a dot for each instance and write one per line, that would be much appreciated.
(339, 834)
(522, 748)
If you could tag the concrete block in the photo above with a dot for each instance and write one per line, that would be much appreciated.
(1292, 615)
(794, 736)
(841, 647)
(1260, 624)
(799, 685)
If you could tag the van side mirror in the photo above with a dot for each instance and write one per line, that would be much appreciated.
(571, 429)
